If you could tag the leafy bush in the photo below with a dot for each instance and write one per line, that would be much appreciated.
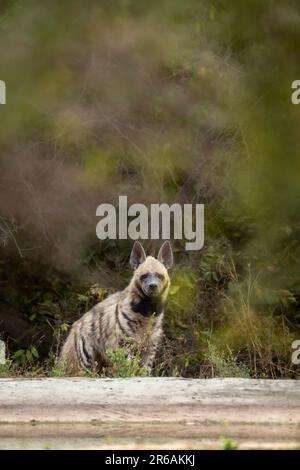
(167, 101)
(122, 364)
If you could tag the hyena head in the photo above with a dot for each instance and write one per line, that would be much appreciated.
(151, 274)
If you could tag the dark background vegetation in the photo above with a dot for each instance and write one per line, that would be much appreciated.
(164, 101)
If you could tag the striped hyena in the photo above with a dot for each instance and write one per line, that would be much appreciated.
(134, 314)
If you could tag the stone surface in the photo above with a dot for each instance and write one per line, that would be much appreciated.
(149, 413)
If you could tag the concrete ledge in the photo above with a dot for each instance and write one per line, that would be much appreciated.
(155, 412)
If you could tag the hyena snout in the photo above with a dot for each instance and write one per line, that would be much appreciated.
(153, 288)
(152, 284)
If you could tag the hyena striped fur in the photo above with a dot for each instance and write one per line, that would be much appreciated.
(134, 314)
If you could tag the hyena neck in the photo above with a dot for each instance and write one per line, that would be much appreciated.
(144, 305)
(147, 306)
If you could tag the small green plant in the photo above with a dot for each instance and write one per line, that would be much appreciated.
(229, 445)
(57, 371)
(226, 365)
(24, 357)
(6, 369)
(89, 373)
(122, 364)
(47, 446)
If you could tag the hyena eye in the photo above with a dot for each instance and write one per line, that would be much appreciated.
(160, 276)
(144, 276)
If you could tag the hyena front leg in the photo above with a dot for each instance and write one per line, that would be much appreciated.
(149, 354)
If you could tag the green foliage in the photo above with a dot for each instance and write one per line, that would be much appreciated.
(225, 365)
(122, 364)
(24, 357)
(7, 369)
(165, 102)
(12, 368)
(57, 371)
(229, 445)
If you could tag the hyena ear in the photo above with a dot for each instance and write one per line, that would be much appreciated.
(137, 256)
(165, 255)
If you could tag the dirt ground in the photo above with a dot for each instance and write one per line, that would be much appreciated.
(149, 413)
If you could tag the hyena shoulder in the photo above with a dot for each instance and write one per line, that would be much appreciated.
(104, 307)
